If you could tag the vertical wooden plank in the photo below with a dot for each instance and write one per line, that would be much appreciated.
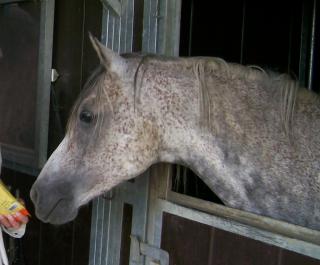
(116, 34)
(109, 40)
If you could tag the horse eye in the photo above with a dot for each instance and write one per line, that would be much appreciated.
(86, 116)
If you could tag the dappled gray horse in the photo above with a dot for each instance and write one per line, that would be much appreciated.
(252, 137)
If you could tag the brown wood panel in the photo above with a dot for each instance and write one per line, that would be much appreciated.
(231, 249)
(291, 258)
(189, 242)
(186, 241)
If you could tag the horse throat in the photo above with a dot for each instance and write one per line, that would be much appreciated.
(219, 168)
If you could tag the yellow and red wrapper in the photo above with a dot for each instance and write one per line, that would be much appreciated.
(9, 204)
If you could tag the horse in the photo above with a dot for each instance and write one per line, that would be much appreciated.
(252, 136)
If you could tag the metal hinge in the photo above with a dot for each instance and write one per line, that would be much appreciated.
(139, 249)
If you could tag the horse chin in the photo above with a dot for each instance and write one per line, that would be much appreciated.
(60, 220)
(59, 215)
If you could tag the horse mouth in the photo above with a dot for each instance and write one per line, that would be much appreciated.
(58, 213)
(46, 217)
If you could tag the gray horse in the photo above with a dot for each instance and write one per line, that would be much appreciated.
(253, 137)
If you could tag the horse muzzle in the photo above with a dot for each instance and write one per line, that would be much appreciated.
(51, 203)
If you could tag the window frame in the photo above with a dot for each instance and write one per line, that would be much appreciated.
(26, 160)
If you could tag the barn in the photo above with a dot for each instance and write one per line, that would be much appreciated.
(167, 215)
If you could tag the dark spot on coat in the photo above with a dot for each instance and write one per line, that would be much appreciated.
(231, 158)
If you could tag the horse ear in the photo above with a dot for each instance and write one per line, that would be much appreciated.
(108, 58)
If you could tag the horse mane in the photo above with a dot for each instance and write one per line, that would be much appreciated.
(205, 66)
(202, 67)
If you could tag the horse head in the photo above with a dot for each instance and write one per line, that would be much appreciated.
(108, 141)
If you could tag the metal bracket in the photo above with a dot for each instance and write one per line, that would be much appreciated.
(114, 5)
(139, 249)
(54, 75)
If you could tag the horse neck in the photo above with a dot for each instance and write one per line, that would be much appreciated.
(213, 148)
(192, 103)
(171, 95)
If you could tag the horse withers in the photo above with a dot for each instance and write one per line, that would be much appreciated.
(253, 137)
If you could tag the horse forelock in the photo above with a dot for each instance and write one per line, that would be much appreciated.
(95, 90)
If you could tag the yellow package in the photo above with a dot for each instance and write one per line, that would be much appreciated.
(9, 204)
